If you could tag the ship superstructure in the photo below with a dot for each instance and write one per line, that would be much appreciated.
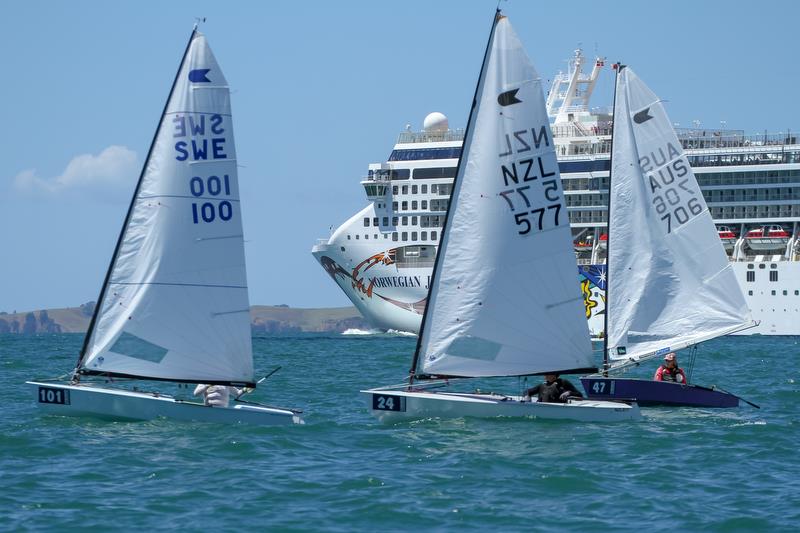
(383, 255)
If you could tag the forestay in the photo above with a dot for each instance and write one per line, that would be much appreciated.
(670, 282)
(175, 305)
(505, 298)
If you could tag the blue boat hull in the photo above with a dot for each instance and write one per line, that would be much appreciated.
(650, 393)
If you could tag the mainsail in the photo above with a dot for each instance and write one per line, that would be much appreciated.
(174, 305)
(670, 282)
(504, 298)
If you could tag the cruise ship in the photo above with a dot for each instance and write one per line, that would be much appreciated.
(383, 255)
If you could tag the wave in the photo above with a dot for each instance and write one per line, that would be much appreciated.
(356, 331)
(401, 333)
(391, 332)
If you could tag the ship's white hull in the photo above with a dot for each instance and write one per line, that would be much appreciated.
(90, 400)
(400, 405)
(397, 296)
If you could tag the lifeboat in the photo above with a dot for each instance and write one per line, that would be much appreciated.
(767, 238)
(727, 236)
(602, 242)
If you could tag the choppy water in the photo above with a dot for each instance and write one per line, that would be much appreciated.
(685, 469)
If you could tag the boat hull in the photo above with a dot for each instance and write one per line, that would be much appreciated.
(655, 393)
(89, 400)
(399, 405)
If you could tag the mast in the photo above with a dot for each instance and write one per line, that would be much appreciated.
(112, 264)
(617, 69)
(415, 361)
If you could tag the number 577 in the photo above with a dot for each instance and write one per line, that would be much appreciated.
(523, 220)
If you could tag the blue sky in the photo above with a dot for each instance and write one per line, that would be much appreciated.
(320, 90)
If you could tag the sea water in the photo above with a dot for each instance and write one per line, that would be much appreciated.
(677, 468)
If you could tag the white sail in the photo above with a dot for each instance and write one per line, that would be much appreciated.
(670, 282)
(505, 299)
(175, 305)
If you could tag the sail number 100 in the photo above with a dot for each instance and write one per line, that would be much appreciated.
(210, 211)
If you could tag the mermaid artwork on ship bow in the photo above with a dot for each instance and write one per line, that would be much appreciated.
(367, 287)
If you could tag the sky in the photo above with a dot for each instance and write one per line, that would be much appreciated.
(320, 89)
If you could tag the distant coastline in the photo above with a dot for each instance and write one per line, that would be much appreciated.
(263, 319)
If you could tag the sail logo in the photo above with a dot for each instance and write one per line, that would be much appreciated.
(199, 75)
(642, 116)
(508, 98)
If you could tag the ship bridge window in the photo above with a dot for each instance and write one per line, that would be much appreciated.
(416, 154)
(395, 173)
(366, 222)
(437, 172)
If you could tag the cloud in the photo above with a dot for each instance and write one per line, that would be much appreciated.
(109, 173)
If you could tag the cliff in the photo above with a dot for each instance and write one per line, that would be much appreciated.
(263, 318)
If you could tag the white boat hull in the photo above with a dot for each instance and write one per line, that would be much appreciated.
(398, 405)
(91, 400)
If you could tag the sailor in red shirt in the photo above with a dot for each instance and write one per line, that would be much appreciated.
(669, 371)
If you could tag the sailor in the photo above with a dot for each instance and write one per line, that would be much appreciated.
(216, 395)
(670, 371)
(553, 390)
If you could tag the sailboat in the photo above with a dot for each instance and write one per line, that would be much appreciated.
(489, 313)
(669, 283)
(174, 304)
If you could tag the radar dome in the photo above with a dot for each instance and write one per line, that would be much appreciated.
(435, 122)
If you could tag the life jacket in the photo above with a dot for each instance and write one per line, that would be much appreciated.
(551, 392)
(675, 375)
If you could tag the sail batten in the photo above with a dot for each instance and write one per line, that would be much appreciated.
(504, 300)
(670, 284)
(172, 306)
